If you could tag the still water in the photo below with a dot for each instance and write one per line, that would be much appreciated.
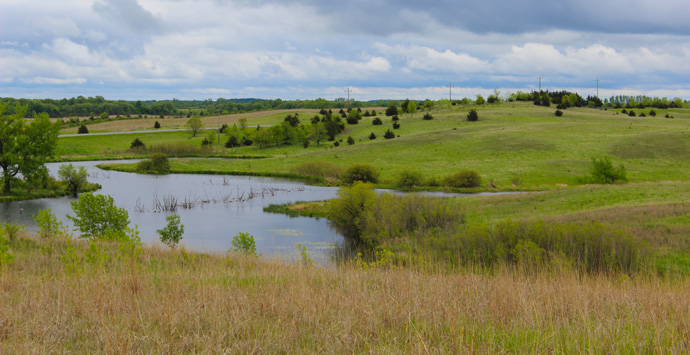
(217, 208)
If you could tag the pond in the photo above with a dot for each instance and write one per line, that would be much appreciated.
(216, 209)
(212, 208)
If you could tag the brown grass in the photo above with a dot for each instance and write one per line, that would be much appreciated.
(135, 124)
(175, 302)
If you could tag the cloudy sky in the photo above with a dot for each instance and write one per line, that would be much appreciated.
(305, 49)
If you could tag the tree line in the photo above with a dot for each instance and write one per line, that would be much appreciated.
(96, 106)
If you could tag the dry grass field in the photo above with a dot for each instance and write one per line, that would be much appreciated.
(60, 298)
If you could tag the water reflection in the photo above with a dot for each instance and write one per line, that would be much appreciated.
(217, 208)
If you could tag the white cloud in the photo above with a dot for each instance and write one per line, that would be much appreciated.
(429, 59)
(59, 27)
(54, 81)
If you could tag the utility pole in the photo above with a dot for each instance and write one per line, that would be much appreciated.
(218, 125)
(597, 87)
(450, 92)
(348, 94)
(539, 77)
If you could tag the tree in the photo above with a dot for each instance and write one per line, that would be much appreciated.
(137, 144)
(157, 125)
(350, 140)
(480, 100)
(24, 148)
(389, 134)
(377, 121)
(82, 129)
(412, 108)
(75, 177)
(194, 125)
(318, 133)
(172, 233)
(603, 172)
(392, 110)
(96, 216)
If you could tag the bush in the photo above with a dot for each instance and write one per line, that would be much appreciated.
(360, 172)
(395, 118)
(409, 178)
(652, 113)
(377, 121)
(137, 144)
(392, 110)
(389, 134)
(463, 179)
(305, 143)
(82, 129)
(372, 136)
(156, 125)
(160, 162)
(48, 225)
(350, 140)
(244, 243)
(232, 142)
(96, 216)
(320, 169)
(396, 125)
(427, 116)
(559, 113)
(603, 172)
(172, 233)
(642, 115)
(347, 210)
(336, 144)
(631, 113)
(472, 115)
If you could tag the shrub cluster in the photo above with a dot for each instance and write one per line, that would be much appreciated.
(360, 172)
(158, 164)
(463, 179)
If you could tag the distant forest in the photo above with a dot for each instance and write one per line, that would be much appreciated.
(95, 106)
(99, 107)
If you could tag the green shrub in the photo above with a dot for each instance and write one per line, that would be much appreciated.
(82, 129)
(160, 163)
(97, 217)
(360, 172)
(347, 210)
(157, 125)
(172, 233)
(48, 225)
(372, 136)
(409, 178)
(559, 113)
(396, 125)
(350, 140)
(320, 169)
(12, 230)
(389, 134)
(603, 172)
(377, 121)
(427, 116)
(244, 243)
(631, 113)
(74, 177)
(472, 115)
(144, 166)
(538, 245)
(463, 179)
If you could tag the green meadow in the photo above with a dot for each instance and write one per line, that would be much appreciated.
(513, 145)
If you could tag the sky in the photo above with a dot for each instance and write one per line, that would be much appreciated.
(307, 49)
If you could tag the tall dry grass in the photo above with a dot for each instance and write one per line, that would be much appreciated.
(177, 302)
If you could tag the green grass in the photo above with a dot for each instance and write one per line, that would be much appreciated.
(510, 142)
